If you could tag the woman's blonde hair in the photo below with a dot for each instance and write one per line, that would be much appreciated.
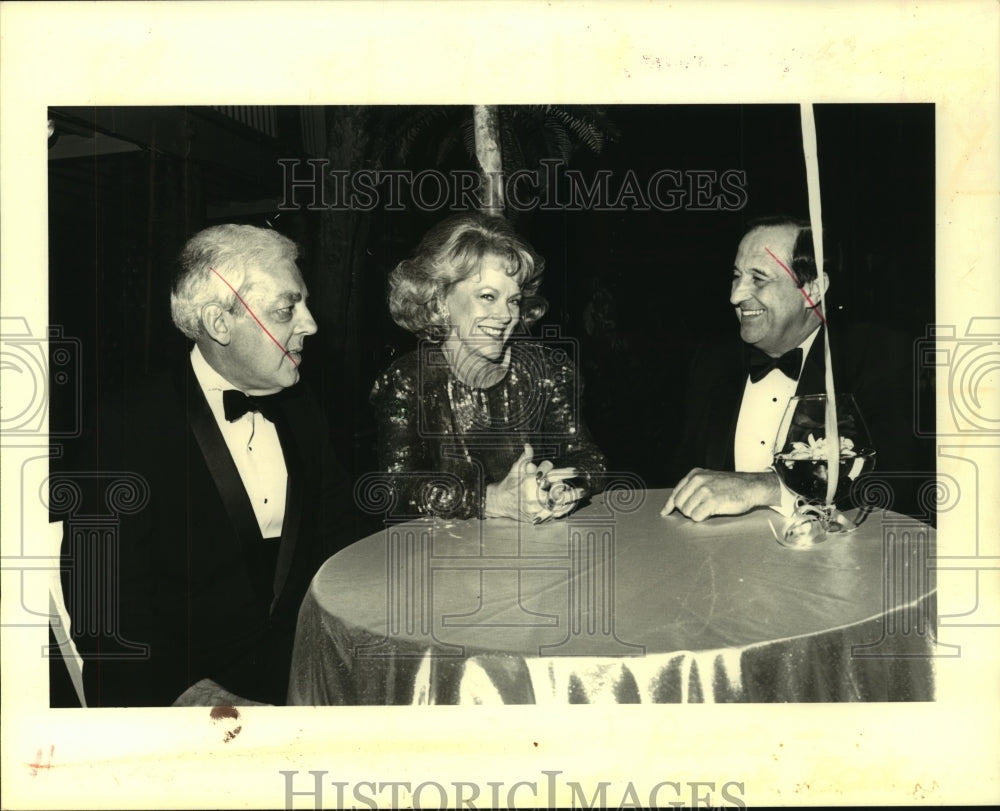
(452, 251)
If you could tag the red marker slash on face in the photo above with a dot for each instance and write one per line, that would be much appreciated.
(788, 270)
(255, 318)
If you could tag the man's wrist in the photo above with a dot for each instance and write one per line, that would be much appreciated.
(783, 499)
(770, 489)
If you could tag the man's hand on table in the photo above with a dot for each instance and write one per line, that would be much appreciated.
(704, 493)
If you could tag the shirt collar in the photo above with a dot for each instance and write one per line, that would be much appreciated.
(807, 345)
(207, 377)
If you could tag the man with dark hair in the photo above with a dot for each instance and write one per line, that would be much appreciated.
(738, 393)
(246, 499)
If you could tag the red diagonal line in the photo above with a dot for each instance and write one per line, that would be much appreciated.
(255, 318)
(788, 270)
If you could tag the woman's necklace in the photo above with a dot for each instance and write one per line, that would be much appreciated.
(472, 369)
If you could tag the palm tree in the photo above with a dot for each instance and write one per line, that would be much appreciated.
(497, 139)
(375, 138)
(486, 126)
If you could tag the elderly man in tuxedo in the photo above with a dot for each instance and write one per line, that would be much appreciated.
(246, 499)
(739, 390)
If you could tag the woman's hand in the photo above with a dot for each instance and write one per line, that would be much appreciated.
(531, 492)
(557, 494)
(517, 495)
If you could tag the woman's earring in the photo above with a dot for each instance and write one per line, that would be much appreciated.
(443, 321)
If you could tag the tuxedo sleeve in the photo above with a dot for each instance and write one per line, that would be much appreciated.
(713, 387)
(685, 454)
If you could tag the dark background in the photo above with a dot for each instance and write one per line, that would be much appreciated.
(635, 290)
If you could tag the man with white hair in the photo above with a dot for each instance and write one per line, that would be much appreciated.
(246, 500)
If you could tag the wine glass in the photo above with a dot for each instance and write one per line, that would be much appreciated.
(801, 460)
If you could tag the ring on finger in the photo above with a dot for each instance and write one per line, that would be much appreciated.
(562, 494)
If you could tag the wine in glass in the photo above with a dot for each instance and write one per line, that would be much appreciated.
(802, 459)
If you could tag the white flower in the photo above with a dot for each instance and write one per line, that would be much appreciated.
(816, 449)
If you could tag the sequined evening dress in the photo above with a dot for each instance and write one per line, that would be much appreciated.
(443, 442)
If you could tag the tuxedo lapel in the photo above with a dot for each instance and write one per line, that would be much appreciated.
(726, 397)
(294, 503)
(813, 377)
(220, 464)
(230, 485)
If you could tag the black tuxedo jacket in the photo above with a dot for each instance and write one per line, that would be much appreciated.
(871, 362)
(192, 580)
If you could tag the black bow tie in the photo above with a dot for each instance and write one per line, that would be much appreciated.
(761, 363)
(236, 404)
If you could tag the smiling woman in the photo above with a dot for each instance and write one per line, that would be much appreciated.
(461, 419)
(483, 311)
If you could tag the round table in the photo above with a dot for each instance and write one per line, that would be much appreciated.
(616, 603)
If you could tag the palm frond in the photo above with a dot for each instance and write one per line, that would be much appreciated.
(469, 137)
(448, 144)
(399, 129)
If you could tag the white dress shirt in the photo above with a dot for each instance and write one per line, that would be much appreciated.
(253, 443)
(761, 410)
